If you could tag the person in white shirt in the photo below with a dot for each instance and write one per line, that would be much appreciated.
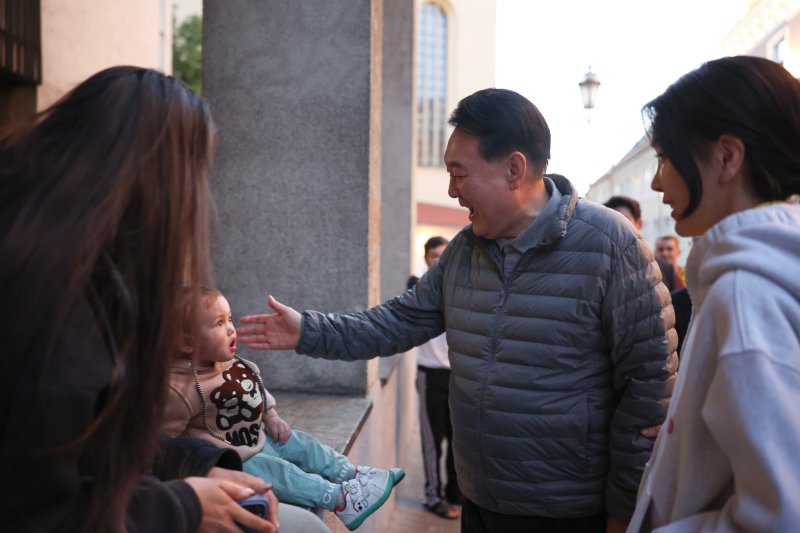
(433, 379)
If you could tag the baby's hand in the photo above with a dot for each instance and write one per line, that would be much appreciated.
(277, 427)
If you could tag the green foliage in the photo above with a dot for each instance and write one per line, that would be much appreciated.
(187, 45)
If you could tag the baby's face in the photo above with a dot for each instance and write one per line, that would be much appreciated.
(216, 336)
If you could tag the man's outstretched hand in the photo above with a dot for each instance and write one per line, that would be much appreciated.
(277, 331)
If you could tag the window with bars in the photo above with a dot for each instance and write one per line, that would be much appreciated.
(779, 49)
(431, 85)
(20, 42)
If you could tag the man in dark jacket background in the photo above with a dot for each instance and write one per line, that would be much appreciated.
(630, 209)
(561, 342)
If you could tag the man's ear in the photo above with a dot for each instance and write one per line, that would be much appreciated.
(187, 344)
(517, 168)
(730, 152)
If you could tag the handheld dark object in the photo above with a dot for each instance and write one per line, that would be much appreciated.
(258, 505)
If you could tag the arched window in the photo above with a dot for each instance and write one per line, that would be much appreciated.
(431, 85)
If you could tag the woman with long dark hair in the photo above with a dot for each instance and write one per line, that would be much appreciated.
(727, 136)
(104, 207)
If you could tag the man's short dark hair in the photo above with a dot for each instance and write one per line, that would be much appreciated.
(434, 242)
(615, 202)
(504, 121)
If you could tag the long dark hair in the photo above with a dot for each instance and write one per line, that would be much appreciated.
(106, 192)
(751, 98)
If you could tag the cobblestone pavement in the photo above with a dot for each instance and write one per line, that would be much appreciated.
(409, 515)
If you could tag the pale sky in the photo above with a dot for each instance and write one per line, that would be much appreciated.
(636, 48)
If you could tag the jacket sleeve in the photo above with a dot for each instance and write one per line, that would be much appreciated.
(177, 411)
(751, 411)
(639, 325)
(750, 406)
(47, 472)
(395, 326)
(51, 490)
(163, 506)
(181, 457)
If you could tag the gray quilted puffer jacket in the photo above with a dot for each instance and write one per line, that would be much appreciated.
(557, 362)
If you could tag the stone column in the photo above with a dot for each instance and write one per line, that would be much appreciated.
(295, 90)
(397, 212)
(397, 132)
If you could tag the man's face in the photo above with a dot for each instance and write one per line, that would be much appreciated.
(434, 254)
(627, 212)
(668, 250)
(482, 187)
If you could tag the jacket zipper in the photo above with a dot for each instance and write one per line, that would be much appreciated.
(490, 363)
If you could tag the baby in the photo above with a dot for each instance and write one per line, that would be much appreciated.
(217, 396)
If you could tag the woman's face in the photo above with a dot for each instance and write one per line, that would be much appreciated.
(675, 193)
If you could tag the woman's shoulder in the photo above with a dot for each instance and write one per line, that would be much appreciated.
(753, 313)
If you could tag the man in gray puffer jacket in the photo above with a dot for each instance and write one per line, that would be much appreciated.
(560, 333)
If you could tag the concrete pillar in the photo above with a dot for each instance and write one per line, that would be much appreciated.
(295, 89)
(397, 213)
(397, 132)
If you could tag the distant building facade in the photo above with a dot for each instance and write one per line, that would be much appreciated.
(770, 29)
(450, 63)
(49, 46)
(632, 176)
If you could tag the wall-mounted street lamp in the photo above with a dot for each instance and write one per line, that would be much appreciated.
(589, 86)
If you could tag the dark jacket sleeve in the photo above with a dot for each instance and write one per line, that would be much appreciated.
(47, 474)
(163, 506)
(638, 321)
(181, 457)
(51, 489)
(682, 304)
(667, 274)
(405, 321)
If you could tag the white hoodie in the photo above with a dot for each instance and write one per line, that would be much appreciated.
(728, 455)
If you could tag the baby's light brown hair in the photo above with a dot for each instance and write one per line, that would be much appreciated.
(190, 310)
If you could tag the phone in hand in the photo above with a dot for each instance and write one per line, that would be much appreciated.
(258, 505)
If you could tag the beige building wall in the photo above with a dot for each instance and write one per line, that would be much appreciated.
(764, 26)
(471, 66)
(81, 37)
(471, 26)
(770, 29)
(184, 9)
(632, 177)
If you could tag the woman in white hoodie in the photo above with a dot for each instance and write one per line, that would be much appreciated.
(727, 137)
